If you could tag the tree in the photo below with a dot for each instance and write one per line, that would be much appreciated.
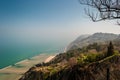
(110, 49)
(108, 74)
(102, 9)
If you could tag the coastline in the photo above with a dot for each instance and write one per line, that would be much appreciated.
(49, 58)
(21, 61)
(14, 72)
(65, 49)
(6, 67)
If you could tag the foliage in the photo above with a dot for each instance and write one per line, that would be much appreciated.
(90, 57)
(110, 50)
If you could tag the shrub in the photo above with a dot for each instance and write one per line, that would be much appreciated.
(91, 57)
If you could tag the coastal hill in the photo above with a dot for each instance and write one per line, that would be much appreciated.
(96, 61)
(85, 40)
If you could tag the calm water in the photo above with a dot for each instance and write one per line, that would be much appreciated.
(12, 53)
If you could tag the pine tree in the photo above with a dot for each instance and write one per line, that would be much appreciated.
(110, 49)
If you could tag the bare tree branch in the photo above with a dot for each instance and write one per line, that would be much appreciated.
(102, 9)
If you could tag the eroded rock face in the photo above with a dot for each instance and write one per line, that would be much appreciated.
(93, 71)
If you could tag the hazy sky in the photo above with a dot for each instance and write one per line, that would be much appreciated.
(35, 20)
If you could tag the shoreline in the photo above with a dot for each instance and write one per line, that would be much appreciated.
(14, 72)
(49, 59)
(6, 67)
(22, 61)
(65, 49)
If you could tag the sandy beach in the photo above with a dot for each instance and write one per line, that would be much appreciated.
(14, 72)
(49, 58)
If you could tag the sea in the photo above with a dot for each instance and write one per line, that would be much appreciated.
(13, 53)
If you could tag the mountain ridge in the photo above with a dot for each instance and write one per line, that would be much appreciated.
(90, 39)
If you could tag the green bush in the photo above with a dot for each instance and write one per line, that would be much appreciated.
(91, 57)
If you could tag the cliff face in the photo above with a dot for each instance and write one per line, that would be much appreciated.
(93, 71)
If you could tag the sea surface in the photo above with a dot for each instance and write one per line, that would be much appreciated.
(13, 53)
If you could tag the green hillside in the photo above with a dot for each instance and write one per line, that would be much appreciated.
(87, 63)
